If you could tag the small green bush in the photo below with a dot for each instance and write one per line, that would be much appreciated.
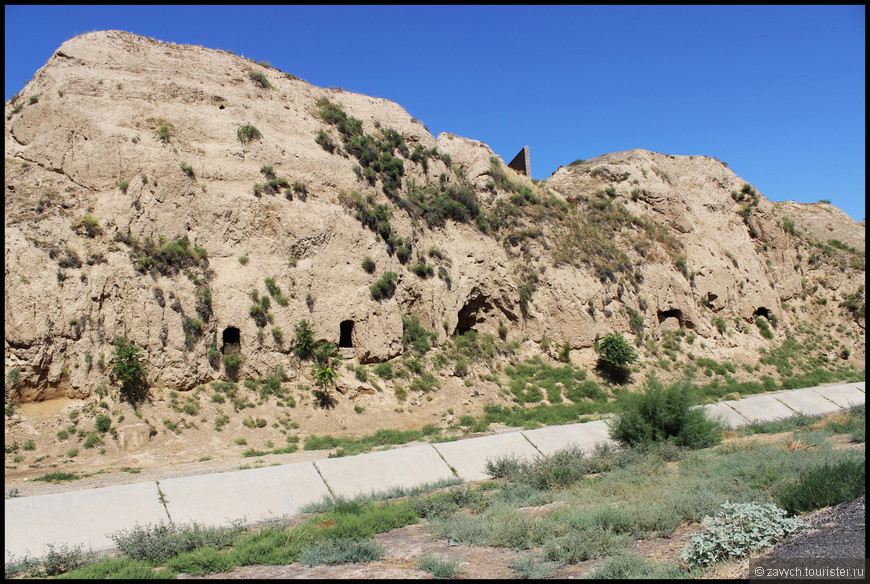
(824, 486)
(384, 370)
(129, 367)
(304, 348)
(415, 335)
(248, 133)
(659, 414)
(201, 561)
(385, 287)
(260, 79)
(631, 567)
(159, 542)
(103, 423)
(763, 327)
(368, 264)
(737, 531)
(232, 361)
(423, 270)
(341, 550)
(615, 351)
(439, 567)
(325, 141)
(532, 567)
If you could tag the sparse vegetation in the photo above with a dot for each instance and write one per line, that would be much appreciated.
(248, 133)
(260, 79)
(385, 286)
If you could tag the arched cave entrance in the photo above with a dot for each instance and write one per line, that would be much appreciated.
(345, 336)
(468, 317)
(762, 311)
(672, 313)
(679, 321)
(232, 338)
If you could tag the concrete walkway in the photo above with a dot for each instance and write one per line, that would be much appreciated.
(88, 517)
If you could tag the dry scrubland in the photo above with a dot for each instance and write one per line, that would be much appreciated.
(174, 214)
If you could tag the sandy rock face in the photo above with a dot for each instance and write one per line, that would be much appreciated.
(141, 138)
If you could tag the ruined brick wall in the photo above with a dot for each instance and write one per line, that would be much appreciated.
(521, 162)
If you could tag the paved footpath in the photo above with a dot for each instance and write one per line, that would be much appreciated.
(87, 517)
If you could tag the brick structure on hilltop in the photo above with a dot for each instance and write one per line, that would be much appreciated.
(521, 162)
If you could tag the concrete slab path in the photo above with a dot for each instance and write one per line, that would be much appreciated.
(88, 517)
(585, 435)
(361, 474)
(468, 457)
(247, 496)
(85, 518)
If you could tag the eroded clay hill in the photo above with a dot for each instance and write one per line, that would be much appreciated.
(161, 192)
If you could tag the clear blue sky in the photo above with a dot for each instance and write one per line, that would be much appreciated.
(776, 92)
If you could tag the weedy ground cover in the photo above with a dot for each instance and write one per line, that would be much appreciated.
(609, 498)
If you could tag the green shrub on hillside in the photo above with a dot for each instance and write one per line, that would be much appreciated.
(663, 414)
(304, 348)
(129, 367)
(248, 133)
(260, 79)
(385, 287)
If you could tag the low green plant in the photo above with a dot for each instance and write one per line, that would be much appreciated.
(341, 550)
(55, 477)
(531, 566)
(824, 486)
(232, 361)
(260, 79)
(248, 133)
(763, 327)
(103, 423)
(415, 336)
(161, 541)
(624, 566)
(385, 287)
(737, 531)
(439, 567)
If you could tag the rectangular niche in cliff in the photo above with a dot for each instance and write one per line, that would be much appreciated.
(345, 337)
(232, 338)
